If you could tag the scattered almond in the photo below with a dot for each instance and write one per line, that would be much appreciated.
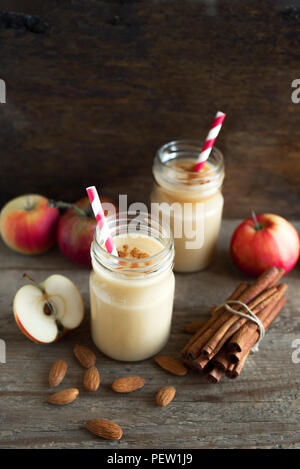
(165, 396)
(128, 384)
(84, 355)
(104, 429)
(91, 380)
(63, 397)
(193, 326)
(172, 365)
(57, 372)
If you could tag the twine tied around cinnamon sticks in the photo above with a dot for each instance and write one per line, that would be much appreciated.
(222, 344)
(251, 316)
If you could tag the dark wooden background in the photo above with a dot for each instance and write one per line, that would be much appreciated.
(91, 98)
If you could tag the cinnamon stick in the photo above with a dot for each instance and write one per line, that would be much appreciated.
(231, 371)
(234, 369)
(199, 363)
(193, 326)
(280, 274)
(207, 351)
(236, 357)
(241, 337)
(240, 321)
(234, 322)
(222, 360)
(189, 363)
(193, 350)
(214, 375)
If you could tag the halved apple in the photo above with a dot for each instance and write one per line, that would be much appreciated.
(45, 312)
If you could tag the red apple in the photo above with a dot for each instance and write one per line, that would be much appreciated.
(28, 225)
(263, 241)
(76, 228)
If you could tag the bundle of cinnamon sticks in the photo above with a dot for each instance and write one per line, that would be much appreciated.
(223, 343)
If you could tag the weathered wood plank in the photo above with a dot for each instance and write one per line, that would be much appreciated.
(112, 81)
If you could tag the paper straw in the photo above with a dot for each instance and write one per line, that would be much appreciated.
(101, 220)
(210, 140)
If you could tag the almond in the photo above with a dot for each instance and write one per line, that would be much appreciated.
(91, 380)
(85, 356)
(63, 397)
(165, 396)
(172, 365)
(128, 384)
(193, 326)
(104, 429)
(57, 372)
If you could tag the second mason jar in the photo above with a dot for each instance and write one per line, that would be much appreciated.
(132, 295)
(193, 200)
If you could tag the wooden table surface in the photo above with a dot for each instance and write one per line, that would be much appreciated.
(261, 409)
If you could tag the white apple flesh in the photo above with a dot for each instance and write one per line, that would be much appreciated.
(47, 311)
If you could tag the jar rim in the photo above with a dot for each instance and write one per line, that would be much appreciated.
(185, 149)
(197, 144)
(112, 262)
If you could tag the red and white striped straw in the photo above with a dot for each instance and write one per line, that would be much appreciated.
(101, 220)
(210, 140)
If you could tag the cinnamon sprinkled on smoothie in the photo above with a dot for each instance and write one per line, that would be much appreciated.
(190, 177)
(138, 254)
(124, 251)
(135, 253)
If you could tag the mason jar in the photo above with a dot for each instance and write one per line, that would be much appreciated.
(192, 202)
(132, 295)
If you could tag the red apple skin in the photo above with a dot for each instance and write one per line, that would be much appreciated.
(75, 233)
(25, 332)
(277, 243)
(28, 225)
(22, 329)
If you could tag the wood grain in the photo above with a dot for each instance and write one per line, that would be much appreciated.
(91, 100)
(258, 410)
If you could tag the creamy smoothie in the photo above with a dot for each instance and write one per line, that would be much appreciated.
(132, 302)
(175, 182)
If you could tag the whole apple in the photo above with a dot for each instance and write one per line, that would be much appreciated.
(28, 225)
(265, 240)
(76, 228)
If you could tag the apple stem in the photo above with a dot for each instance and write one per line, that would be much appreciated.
(33, 281)
(257, 226)
(64, 205)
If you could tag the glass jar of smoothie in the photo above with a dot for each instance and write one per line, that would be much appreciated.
(132, 295)
(194, 200)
